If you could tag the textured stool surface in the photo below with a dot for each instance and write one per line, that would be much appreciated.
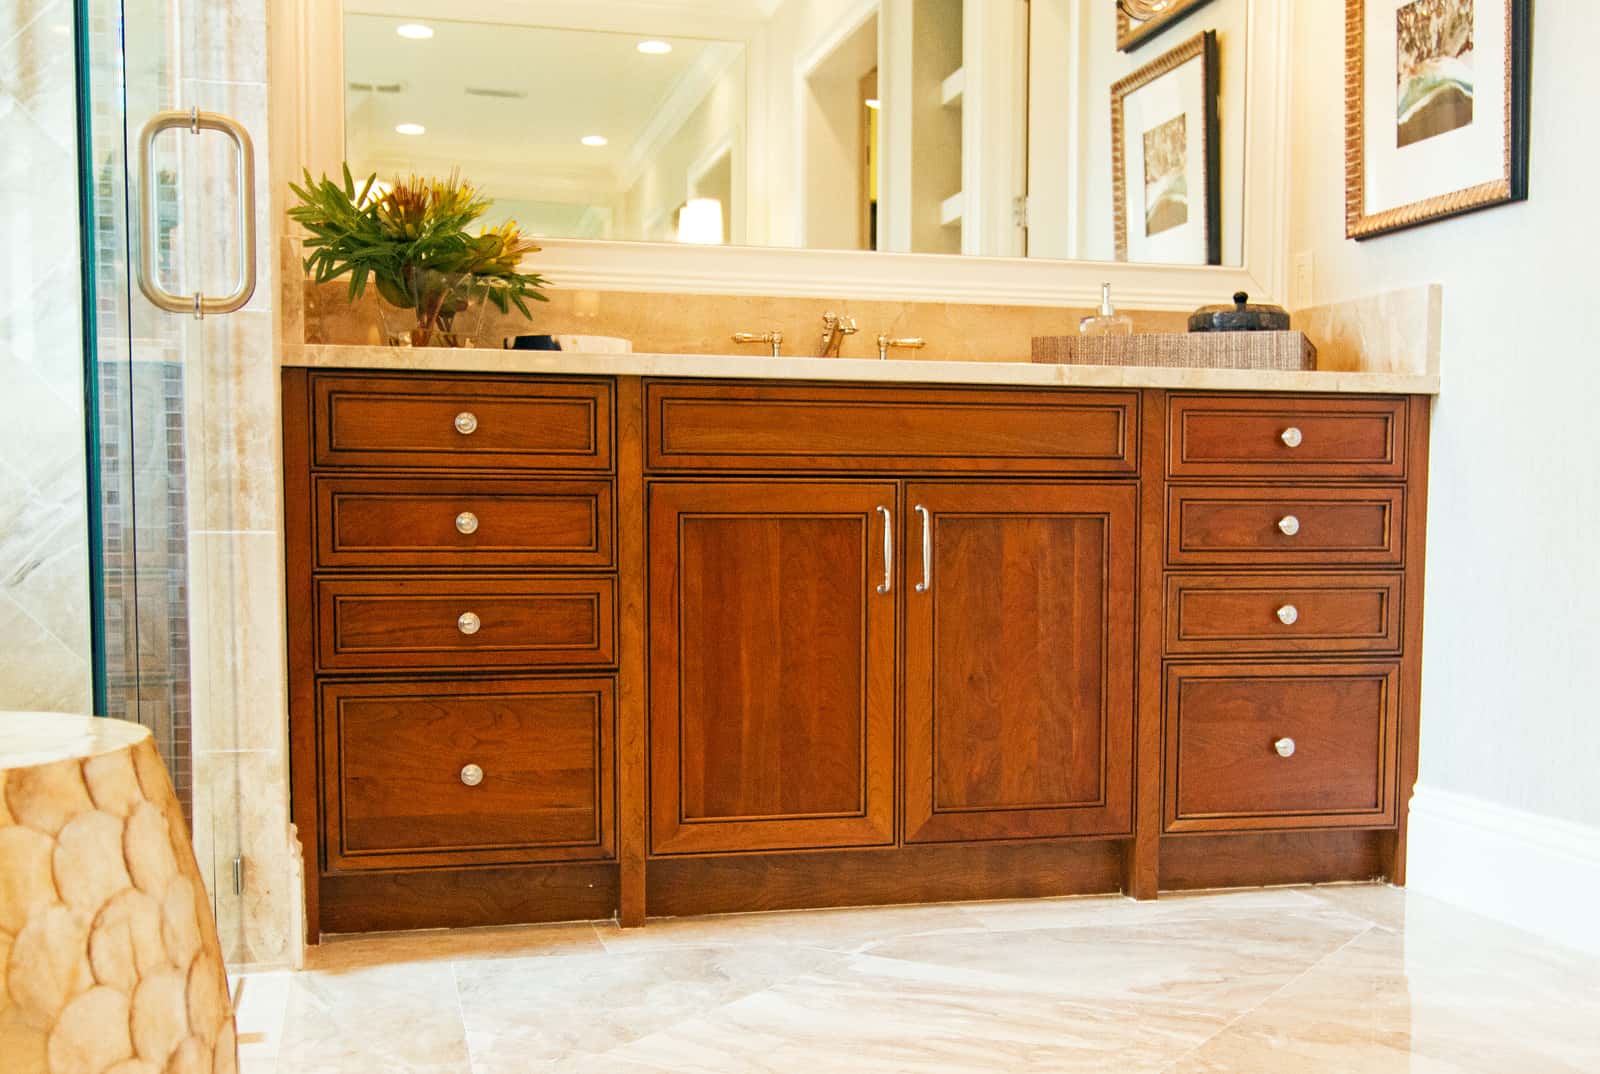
(109, 960)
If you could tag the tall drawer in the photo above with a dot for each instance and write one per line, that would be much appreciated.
(748, 427)
(447, 522)
(467, 772)
(1273, 436)
(449, 623)
(1285, 525)
(1277, 746)
(1283, 613)
(460, 421)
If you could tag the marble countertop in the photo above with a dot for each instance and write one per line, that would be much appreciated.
(894, 370)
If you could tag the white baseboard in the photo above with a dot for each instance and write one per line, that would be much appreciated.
(1534, 872)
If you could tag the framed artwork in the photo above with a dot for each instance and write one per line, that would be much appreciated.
(1133, 31)
(1436, 110)
(1166, 159)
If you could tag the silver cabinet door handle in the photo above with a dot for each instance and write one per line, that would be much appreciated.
(1289, 525)
(927, 549)
(466, 423)
(466, 523)
(198, 304)
(471, 775)
(469, 623)
(1285, 747)
(888, 551)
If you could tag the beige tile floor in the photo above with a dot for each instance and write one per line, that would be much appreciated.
(1335, 979)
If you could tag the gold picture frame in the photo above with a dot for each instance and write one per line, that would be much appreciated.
(1201, 138)
(1512, 64)
(1131, 32)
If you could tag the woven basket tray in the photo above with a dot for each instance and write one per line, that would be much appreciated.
(1287, 351)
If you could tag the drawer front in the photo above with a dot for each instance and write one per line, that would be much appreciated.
(776, 427)
(448, 623)
(453, 422)
(1275, 437)
(375, 522)
(1287, 525)
(1283, 613)
(398, 791)
(1338, 723)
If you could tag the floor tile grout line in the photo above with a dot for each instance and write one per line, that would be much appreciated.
(1274, 994)
(461, 1015)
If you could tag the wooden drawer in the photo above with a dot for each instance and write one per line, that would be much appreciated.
(393, 756)
(379, 522)
(1224, 772)
(1246, 526)
(1243, 436)
(460, 421)
(449, 623)
(1283, 613)
(750, 427)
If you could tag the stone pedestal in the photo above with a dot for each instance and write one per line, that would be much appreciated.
(109, 960)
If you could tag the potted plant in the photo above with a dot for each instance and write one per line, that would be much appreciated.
(412, 242)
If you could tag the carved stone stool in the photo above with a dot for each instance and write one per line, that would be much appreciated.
(109, 959)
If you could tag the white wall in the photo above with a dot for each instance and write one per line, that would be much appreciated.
(1510, 714)
(1513, 632)
(663, 183)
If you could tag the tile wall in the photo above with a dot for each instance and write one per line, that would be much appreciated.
(44, 581)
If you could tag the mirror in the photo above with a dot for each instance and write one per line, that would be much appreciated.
(980, 127)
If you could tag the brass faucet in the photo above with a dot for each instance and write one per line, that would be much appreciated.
(885, 341)
(834, 328)
(774, 337)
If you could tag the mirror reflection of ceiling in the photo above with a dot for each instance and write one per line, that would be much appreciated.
(984, 128)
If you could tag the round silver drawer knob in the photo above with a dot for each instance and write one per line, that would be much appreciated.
(1289, 525)
(466, 522)
(1292, 437)
(1284, 746)
(1288, 615)
(471, 775)
(469, 624)
(467, 423)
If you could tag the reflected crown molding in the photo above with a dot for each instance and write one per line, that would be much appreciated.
(307, 72)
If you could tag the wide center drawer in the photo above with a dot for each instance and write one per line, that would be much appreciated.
(1280, 746)
(1285, 525)
(446, 522)
(451, 422)
(1263, 612)
(750, 427)
(467, 772)
(1249, 436)
(447, 623)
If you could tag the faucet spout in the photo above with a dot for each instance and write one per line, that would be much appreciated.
(834, 328)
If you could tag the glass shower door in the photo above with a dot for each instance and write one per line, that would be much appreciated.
(166, 255)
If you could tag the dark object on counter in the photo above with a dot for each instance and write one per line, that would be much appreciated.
(1239, 317)
(532, 343)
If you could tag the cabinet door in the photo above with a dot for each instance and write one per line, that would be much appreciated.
(771, 666)
(1019, 661)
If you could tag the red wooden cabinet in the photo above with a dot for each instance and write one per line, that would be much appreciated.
(771, 666)
(1019, 660)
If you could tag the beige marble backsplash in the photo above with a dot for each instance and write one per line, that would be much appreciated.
(704, 324)
(1397, 332)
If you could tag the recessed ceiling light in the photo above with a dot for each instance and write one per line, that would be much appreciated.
(411, 128)
(415, 31)
(873, 102)
(595, 140)
(655, 48)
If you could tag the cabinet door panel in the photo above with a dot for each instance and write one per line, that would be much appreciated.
(1019, 661)
(772, 667)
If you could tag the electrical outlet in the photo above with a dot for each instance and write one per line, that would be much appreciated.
(1305, 280)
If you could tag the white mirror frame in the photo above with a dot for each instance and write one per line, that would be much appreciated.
(307, 75)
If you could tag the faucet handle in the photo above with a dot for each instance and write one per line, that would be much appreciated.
(843, 324)
(908, 343)
(774, 337)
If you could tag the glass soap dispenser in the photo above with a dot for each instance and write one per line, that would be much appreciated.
(1106, 322)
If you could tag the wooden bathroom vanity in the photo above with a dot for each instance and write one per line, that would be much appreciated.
(564, 647)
